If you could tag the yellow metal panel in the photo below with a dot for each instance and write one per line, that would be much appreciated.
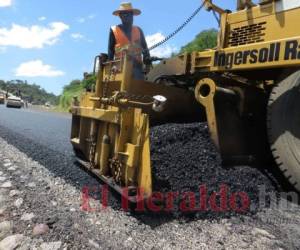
(251, 13)
(277, 25)
(133, 154)
(144, 174)
(279, 53)
(98, 114)
(130, 159)
(85, 99)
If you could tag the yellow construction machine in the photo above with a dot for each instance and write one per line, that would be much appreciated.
(247, 89)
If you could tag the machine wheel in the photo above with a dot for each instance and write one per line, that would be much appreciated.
(284, 127)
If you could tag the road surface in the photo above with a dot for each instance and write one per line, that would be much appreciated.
(49, 129)
(36, 159)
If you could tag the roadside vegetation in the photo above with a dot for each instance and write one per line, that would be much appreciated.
(74, 88)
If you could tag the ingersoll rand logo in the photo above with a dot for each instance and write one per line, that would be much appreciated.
(272, 53)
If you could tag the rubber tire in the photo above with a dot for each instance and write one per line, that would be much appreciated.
(283, 121)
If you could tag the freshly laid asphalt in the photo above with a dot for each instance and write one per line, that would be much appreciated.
(49, 129)
(183, 158)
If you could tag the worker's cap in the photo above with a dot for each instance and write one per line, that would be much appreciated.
(126, 7)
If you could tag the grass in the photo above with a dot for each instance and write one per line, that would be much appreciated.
(67, 96)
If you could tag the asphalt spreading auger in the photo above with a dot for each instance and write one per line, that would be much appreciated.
(247, 89)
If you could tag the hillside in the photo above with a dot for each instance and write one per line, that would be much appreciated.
(31, 92)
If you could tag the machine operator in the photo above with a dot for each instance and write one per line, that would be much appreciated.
(124, 35)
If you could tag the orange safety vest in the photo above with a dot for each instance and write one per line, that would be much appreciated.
(123, 43)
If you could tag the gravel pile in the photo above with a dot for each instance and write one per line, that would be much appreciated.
(184, 158)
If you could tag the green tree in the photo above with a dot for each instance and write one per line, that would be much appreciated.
(72, 84)
(89, 81)
(206, 39)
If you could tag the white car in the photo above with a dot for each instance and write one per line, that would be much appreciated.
(14, 102)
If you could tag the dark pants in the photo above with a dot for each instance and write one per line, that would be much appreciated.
(138, 71)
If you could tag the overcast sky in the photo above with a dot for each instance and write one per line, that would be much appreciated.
(51, 42)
